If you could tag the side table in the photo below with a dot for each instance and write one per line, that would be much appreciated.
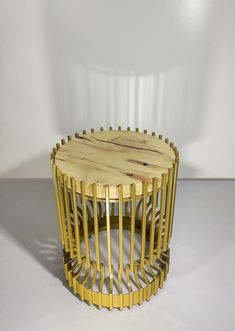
(115, 192)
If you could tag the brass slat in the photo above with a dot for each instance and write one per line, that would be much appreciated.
(132, 241)
(173, 196)
(96, 226)
(162, 207)
(153, 215)
(143, 225)
(58, 203)
(62, 205)
(85, 223)
(109, 250)
(67, 212)
(120, 228)
(75, 214)
(168, 204)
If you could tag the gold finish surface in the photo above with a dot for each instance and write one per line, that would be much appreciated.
(139, 210)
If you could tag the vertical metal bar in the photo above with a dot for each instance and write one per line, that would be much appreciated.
(67, 210)
(101, 284)
(172, 202)
(132, 242)
(120, 225)
(75, 215)
(96, 226)
(143, 226)
(58, 203)
(85, 224)
(111, 289)
(128, 282)
(162, 207)
(153, 215)
(173, 197)
(62, 206)
(120, 236)
(138, 282)
(109, 250)
(168, 206)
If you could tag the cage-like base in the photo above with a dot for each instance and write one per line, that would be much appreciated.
(123, 180)
(141, 282)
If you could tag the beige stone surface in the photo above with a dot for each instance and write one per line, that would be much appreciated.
(113, 158)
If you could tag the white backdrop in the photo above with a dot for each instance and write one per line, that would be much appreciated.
(167, 66)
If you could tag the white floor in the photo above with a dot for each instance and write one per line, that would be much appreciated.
(198, 295)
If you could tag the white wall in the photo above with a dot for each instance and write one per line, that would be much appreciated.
(167, 66)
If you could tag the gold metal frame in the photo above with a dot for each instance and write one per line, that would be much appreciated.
(150, 215)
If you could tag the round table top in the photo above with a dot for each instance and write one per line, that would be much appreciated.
(115, 157)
